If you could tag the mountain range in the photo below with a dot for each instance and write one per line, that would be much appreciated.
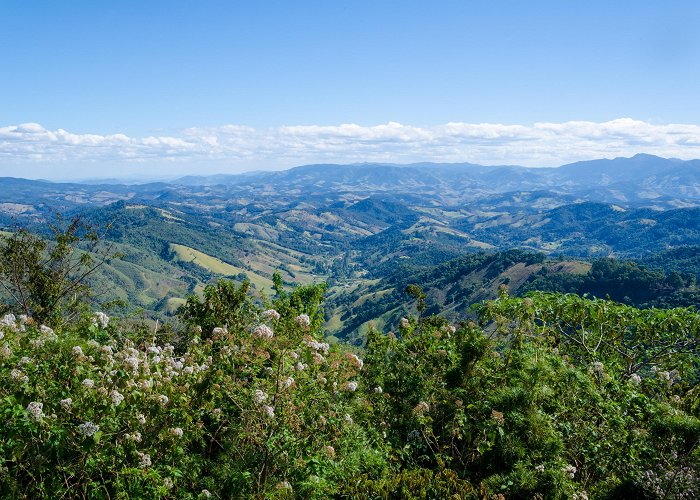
(365, 228)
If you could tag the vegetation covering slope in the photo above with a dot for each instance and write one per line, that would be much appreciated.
(553, 396)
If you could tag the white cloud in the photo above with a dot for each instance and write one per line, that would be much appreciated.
(236, 147)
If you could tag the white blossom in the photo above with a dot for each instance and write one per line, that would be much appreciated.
(635, 379)
(37, 343)
(354, 360)
(9, 321)
(163, 399)
(348, 419)
(88, 429)
(46, 330)
(144, 459)
(350, 386)
(176, 432)
(259, 397)
(263, 332)
(318, 346)
(134, 436)
(271, 315)
(286, 383)
(378, 389)
(88, 383)
(117, 397)
(219, 331)
(205, 493)
(141, 418)
(100, 319)
(78, 352)
(66, 403)
(5, 351)
(303, 321)
(404, 323)
(132, 362)
(269, 411)
(570, 470)
(16, 374)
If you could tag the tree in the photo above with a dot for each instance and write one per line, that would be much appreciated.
(47, 279)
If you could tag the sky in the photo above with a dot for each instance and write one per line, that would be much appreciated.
(163, 88)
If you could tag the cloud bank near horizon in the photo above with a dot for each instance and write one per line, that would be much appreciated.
(32, 149)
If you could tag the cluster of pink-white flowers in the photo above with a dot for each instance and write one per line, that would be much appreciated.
(100, 319)
(88, 429)
(35, 410)
(354, 360)
(263, 332)
(271, 315)
(303, 321)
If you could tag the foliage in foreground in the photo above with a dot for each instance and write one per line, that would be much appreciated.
(551, 396)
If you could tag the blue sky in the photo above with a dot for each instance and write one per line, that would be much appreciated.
(210, 86)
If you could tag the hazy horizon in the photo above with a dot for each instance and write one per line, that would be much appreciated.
(161, 90)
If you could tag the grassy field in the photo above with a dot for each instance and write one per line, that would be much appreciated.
(218, 266)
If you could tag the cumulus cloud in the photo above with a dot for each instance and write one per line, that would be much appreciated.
(237, 147)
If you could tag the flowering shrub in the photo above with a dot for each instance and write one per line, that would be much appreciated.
(247, 402)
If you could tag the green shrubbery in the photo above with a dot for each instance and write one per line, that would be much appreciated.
(550, 396)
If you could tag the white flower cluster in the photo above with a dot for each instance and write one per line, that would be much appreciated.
(9, 321)
(269, 411)
(88, 383)
(117, 397)
(219, 330)
(263, 332)
(570, 470)
(354, 360)
(271, 315)
(35, 410)
(596, 368)
(303, 321)
(259, 396)
(404, 323)
(100, 319)
(144, 460)
(350, 386)
(635, 379)
(322, 347)
(17, 374)
(78, 352)
(176, 432)
(66, 403)
(5, 351)
(88, 429)
(134, 436)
